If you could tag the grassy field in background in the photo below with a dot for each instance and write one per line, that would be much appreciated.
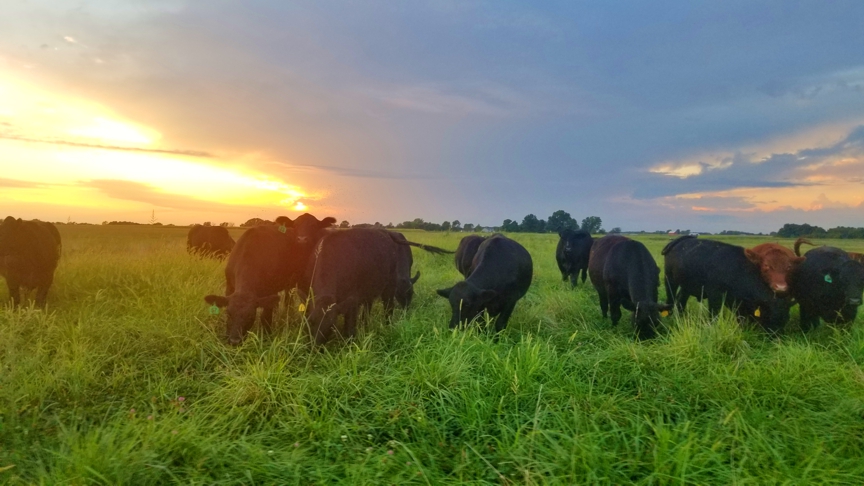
(126, 380)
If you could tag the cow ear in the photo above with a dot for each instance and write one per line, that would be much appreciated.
(444, 292)
(268, 301)
(9, 220)
(329, 220)
(284, 221)
(753, 256)
(561, 233)
(217, 300)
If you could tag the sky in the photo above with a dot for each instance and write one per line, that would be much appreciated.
(652, 115)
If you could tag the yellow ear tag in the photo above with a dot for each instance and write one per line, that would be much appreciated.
(758, 312)
(301, 308)
(282, 228)
(664, 314)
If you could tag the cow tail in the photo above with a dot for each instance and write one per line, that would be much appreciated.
(429, 248)
(798, 243)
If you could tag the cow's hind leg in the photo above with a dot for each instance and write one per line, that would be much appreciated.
(808, 316)
(14, 291)
(614, 306)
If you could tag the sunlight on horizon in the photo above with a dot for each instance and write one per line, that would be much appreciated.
(48, 134)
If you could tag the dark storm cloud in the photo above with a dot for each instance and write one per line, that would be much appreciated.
(510, 98)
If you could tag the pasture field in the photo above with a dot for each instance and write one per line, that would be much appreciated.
(126, 380)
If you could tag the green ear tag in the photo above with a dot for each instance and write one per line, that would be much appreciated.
(828, 278)
(214, 310)
(282, 228)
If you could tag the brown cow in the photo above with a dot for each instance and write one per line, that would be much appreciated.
(774, 263)
(858, 257)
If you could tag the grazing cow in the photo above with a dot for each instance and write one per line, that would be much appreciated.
(502, 274)
(721, 273)
(465, 254)
(352, 269)
(257, 270)
(774, 262)
(630, 277)
(209, 241)
(29, 253)
(573, 252)
(827, 285)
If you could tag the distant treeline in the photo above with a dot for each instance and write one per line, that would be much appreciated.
(790, 230)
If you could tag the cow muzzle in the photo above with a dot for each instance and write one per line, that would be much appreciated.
(854, 301)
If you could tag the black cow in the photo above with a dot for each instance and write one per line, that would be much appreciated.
(629, 277)
(352, 269)
(502, 274)
(574, 249)
(29, 253)
(465, 254)
(721, 273)
(257, 270)
(209, 241)
(827, 285)
(309, 231)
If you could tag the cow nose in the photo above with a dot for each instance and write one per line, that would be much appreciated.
(780, 287)
(301, 239)
(234, 341)
(854, 301)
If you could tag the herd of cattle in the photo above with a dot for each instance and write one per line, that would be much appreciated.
(343, 272)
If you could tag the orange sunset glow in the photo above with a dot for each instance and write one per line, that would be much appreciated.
(78, 153)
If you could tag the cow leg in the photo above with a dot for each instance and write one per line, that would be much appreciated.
(351, 316)
(614, 306)
(809, 318)
(267, 318)
(42, 295)
(671, 290)
(604, 302)
(14, 291)
(584, 273)
(574, 279)
(504, 316)
(715, 303)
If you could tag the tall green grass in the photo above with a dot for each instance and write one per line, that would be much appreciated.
(126, 380)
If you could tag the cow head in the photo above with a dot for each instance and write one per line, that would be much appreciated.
(774, 265)
(241, 310)
(646, 318)
(8, 230)
(405, 290)
(851, 278)
(309, 229)
(466, 301)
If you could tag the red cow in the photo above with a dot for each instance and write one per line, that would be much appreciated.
(774, 263)
(858, 257)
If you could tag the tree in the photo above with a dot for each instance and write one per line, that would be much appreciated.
(469, 227)
(207, 223)
(615, 230)
(592, 224)
(445, 226)
(344, 224)
(225, 225)
(530, 224)
(510, 226)
(561, 220)
(456, 225)
(254, 222)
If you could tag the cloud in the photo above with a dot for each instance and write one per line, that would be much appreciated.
(19, 184)
(138, 192)
(69, 143)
